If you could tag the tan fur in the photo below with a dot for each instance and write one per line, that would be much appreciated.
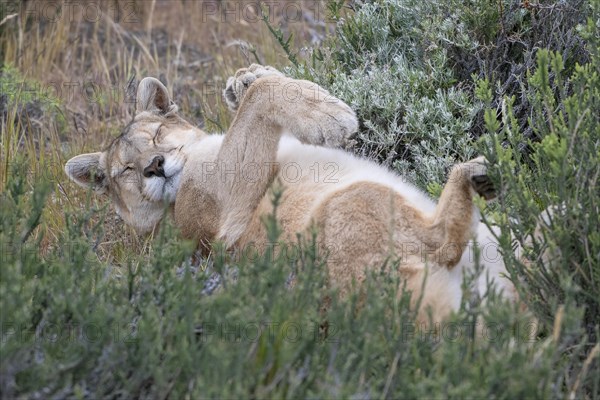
(365, 218)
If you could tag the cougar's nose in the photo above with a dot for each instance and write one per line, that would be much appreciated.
(155, 168)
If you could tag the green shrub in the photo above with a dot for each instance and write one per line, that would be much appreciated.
(559, 266)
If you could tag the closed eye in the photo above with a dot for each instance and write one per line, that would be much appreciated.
(127, 169)
(157, 135)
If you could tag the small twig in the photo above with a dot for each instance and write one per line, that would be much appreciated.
(7, 18)
(586, 365)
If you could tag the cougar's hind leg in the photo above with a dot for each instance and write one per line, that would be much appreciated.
(456, 214)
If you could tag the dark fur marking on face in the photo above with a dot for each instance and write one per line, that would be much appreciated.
(157, 135)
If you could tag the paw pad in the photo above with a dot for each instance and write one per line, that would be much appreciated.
(483, 186)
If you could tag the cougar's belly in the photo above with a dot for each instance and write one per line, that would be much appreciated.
(293, 212)
(309, 176)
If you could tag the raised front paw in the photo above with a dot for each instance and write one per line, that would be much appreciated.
(307, 111)
(238, 85)
(321, 118)
(300, 107)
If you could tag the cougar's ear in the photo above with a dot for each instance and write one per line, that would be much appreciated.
(152, 95)
(86, 171)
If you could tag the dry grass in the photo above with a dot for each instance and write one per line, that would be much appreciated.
(74, 66)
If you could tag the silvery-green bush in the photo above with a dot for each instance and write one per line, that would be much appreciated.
(409, 69)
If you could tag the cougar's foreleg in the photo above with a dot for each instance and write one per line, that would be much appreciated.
(246, 164)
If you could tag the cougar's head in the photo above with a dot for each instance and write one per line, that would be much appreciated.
(141, 169)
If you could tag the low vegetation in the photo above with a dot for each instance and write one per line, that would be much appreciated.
(90, 310)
